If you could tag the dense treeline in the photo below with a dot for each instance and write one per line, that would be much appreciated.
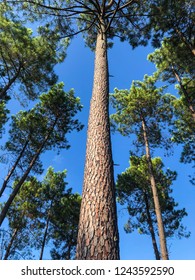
(154, 119)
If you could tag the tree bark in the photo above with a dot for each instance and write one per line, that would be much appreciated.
(161, 232)
(98, 233)
(151, 228)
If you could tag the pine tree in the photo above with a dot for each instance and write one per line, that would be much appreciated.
(175, 64)
(145, 111)
(133, 190)
(175, 19)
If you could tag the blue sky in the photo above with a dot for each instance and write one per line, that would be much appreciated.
(125, 65)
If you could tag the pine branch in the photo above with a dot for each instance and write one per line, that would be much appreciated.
(121, 7)
(113, 16)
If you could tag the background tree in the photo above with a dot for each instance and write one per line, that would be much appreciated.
(65, 228)
(24, 227)
(184, 133)
(26, 61)
(133, 190)
(145, 111)
(43, 213)
(176, 20)
(60, 215)
(175, 64)
(42, 128)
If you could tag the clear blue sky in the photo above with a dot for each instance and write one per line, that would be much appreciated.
(125, 65)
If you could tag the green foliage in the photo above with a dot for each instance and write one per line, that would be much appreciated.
(172, 60)
(133, 189)
(184, 133)
(62, 207)
(53, 115)
(175, 19)
(64, 234)
(143, 102)
(23, 217)
(26, 60)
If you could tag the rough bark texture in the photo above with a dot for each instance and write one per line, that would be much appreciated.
(161, 232)
(98, 234)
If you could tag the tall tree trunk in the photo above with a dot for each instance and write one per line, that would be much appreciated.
(8, 250)
(98, 233)
(151, 228)
(161, 232)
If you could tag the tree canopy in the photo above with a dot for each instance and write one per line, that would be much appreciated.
(143, 102)
(26, 61)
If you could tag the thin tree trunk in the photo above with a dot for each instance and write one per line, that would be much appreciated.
(151, 228)
(17, 187)
(22, 180)
(13, 169)
(3, 91)
(8, 250)
(98, 233)
(45, 236)
(161, 232)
